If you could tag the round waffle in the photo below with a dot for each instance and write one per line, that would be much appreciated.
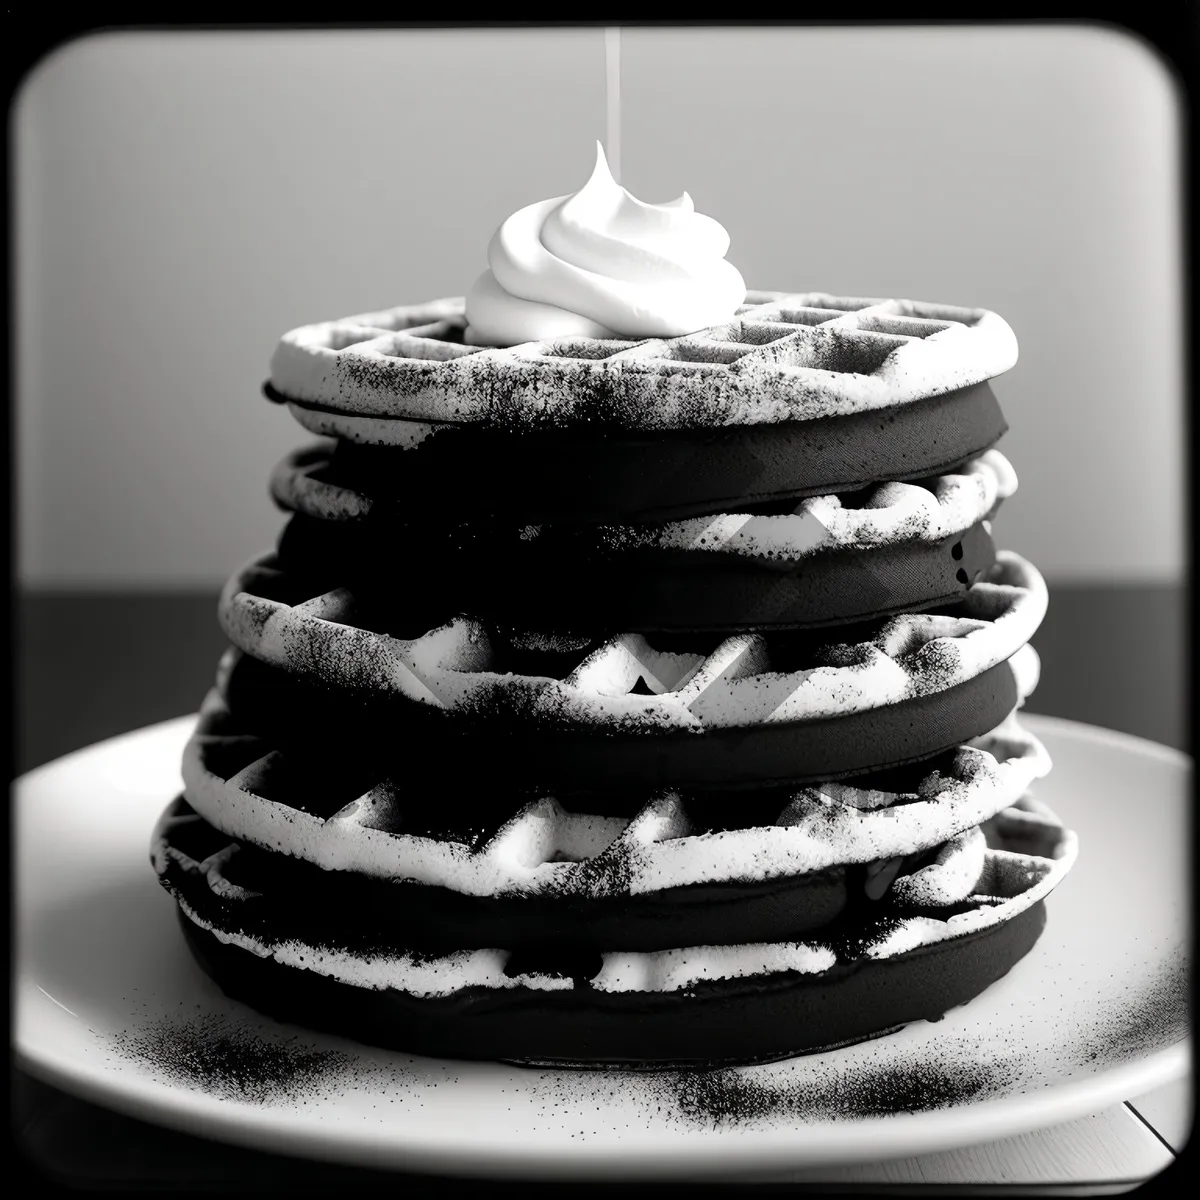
(751, 709)
(603, 475)
(827, 560)
(911, 953)
(390, 735)
(331, 809)
(799, 395)
(784, 357)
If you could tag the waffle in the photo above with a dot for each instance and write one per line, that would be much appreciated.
(606, 473)
(435, 921)
(693, 1004)
(392, 735)
(830, 560)
(784, 357)
(239, 784)
(308, 627)
(887, 514)
(557, 585)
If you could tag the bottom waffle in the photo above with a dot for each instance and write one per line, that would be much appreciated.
(910, 954)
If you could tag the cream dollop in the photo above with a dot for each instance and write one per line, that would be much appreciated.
(601, 263)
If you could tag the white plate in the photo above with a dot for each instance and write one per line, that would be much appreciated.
(111, 1007)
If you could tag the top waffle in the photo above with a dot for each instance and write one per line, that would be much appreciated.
(784, 357)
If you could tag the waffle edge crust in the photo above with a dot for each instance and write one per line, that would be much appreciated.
(782, 357)
(613, 474)
(894, 548)
(736, 1022)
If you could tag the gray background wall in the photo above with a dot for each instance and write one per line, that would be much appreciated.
(183, 199)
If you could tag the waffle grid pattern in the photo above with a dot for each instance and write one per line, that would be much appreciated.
(887, 515)
(275, 618)
(1027, 852)
(246, 788)
(784, 356)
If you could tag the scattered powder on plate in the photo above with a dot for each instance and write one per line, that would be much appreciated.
(1153, 1014)
(730, 1096)
(234, 1062)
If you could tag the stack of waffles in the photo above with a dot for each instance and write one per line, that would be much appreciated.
(626, 703)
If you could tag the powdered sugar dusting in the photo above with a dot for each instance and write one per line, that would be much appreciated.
(951, 877)
(672, 970)
(1015, 881)
(367, 431)
(546, 849)
(798, 356)
(453, 667)
(891, 514)
(888, 515)
(418, 977)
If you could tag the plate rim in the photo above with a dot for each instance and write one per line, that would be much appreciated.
(1133, 742)
(902, 1135)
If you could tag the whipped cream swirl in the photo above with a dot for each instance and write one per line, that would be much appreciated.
(603, 264)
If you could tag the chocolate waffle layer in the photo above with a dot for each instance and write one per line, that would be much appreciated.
(589, 904)
(829, 560)
(639, 864)
(798, 395)
(746, 709)
(783, 357)
(296, 712)
(312, 626)
(905, 956)
(434, 920)
(608, 475)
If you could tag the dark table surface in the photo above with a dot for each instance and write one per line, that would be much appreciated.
(93, 666)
